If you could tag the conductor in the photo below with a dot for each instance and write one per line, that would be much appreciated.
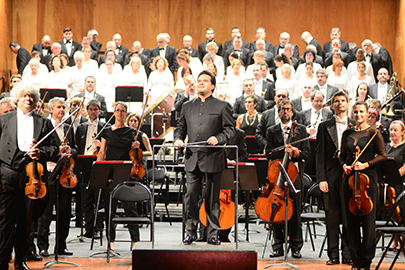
(207, 120)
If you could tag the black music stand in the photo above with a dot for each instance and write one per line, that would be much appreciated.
(55, 177)
(289, 186)
(82, 163)
(129, 94)
(107, 175)
(53, 92)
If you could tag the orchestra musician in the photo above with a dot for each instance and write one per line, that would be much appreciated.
(17, 130)
(361, 245)
(329, 175)
(208, 120)
(277, 135)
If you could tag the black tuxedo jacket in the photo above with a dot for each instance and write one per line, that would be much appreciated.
(229, 45)
(269, 89)
(201, 120)
(387, 61)
(202, 51)
(305, 116)
(327, 48)
(328, 167)
(330, 91)
(296, 53)
(328, 58)
(96, 46)
(170, 56)
(81, 134)
(318, 47)
(373, 91)
(118, 60)
(267, 46)
(38, 47)
(179, 101)
(9, 152)
(123, 51)
(23, 57)
(239, 106)
(75, 47)
(297, 104)
(240, 140)
(244, 56)
(193, 52)
(101, 99)
(377, 62)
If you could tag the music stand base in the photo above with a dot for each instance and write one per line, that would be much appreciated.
(49, 264)
(112, 254)
(283, 264)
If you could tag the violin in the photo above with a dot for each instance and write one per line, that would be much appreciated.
(360, 203)
(35, 188)
(68, 179)
(389, 197)
(136, 155)
(270, 206)
(227, 213)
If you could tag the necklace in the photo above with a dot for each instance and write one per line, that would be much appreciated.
(247, 118)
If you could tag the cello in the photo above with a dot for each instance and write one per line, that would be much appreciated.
(270, 206)
(227, 213)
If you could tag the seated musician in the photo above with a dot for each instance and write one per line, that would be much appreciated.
(277, 135)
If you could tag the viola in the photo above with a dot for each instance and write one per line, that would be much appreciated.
(68, 179)
(137, 168)
(35, 188)
(270, 206)
(360, 203)
(227, 214)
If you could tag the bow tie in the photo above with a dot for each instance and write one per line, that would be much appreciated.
(306, 100)
(237, 50)
(285, 128)
(94, 124)
(281, 47)
(68, 41)
(161, 49)
(342, 122)
(369, 55)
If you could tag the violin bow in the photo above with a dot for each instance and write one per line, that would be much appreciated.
(365, 147)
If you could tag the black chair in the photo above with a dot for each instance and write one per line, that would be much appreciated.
(161, 176)
(131, 192)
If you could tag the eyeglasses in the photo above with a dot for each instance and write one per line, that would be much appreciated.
(121, 111)
(281, 96)
(286, 109)
(248, 102)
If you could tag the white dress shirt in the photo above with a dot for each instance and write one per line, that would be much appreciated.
(25, 130)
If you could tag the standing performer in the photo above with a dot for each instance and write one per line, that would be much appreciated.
(17, 129)
(361, 244)
(277, 135)
(329, 175)
(209, 120)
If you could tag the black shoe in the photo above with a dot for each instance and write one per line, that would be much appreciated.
(333, 261)
(65, 252)
(33, 256)
(44, 253)
(21, 266)
(347, 261)
(214, 241)
(277, 253)
(189, 239)
(201, 239)
(296, 254)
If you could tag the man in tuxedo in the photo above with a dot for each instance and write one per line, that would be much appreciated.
(329, 175)
(380, 90)
(312, 117)
(386, 57)
(335, 34)
(239, 105)
(92, 34)
(237, 47)
(69, 47)
(119, 50)
(188, 94)
(278, 135)
(23, 56)
(137, 47)
(284, 40)
(307, 38)
(268, 56)
(90, 94)
(57, 109)
(56, 49)
(17, 131)
(373, 58)
(236, 32)
(263, 88)
(270, 118)
(111, 47)
(326, 89)
(210, 120)
(260, 34)
(336, 47)
(209, 35)
(289, 51)
(165, 51)
(44, 47)
(86, 43)
(87, 144)
(188, 42)
(304, 102)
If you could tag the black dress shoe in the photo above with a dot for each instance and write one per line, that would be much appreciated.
(189, 239)
(33, 256)
(214, 241)
(44, 253)
(201, 239)
(21, 266)
(296, 254)
(277, 253)
(333, 261)
(65, 252)
(347, 261)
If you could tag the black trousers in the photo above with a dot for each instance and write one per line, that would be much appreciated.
(15, 215)
(65, 209)
(212, 207)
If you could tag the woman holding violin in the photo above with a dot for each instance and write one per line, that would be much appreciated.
(116, 143)
(362, 149)
(279, 135)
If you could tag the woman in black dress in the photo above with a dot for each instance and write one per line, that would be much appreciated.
(249, 120)
(361, 244)
(116, 142)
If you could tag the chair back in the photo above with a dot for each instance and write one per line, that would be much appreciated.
(313, 192)
(160, 174)
(131, 191)
(399, 201)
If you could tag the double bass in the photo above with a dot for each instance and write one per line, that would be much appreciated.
(270, 206)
